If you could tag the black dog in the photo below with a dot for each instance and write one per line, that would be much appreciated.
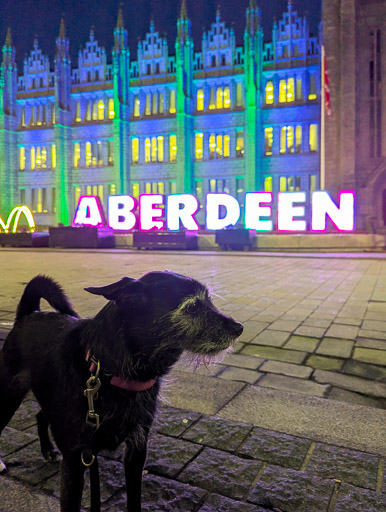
(119, 356)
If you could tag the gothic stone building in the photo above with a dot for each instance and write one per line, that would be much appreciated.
(224, 118)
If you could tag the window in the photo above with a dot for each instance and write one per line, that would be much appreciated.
(111, 108)
(111, 189)
(110, 152)
(173, 148)
(101, 110)
(95, 110)
(240, 190)
(199, 191)
(219, 98)
(22, 158)
(53, 156)
(147, 150)
(283, 136)
(172, 105)
(269, 93)
(88, 111)
(313, 138)
(312, 91)
(39, 200)
(199, 140)
(268, 138)
(290, 139)
(239, 144)
(23, 117)
(226, 146)
(282, 91)
(299, 94)
(212, 146)
(77, 194)
(227, 97)
(212, 104)
(172, 187)
(148, 104)
(88, 154)
(53, 199)
(76, 155)
(239, 94)
(313, 182)
(283, 184)
(77, 113)
(161, 107)
(154, 149)
(298, 135)
(155, 103)
(22, 196)
(135, 150)
(290, 90)
(136, 106)
(135, 190)
(200, 100)
(160, 148)
(268, 184)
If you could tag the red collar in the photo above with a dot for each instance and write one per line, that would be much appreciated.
(121, 382)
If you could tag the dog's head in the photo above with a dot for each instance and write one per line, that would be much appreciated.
(171, 310)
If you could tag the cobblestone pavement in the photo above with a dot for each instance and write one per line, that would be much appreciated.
(254, 432)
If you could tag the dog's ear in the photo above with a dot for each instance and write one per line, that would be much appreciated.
(124, 287)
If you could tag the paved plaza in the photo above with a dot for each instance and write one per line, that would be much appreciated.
(292, 420)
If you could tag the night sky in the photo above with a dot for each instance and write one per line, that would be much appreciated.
(41, 18)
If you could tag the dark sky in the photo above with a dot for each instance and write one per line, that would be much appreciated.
(41, 18)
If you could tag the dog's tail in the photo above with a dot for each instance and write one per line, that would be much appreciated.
(43, 287)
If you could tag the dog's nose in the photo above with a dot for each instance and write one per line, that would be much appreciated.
(236, 327)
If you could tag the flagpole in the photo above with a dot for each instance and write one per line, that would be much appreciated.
(322, 123)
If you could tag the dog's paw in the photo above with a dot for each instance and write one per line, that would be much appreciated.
(50, 455)
(3, 467)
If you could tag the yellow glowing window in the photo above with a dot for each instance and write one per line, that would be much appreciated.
(312, 90)
(219, 98)
(94, 110)
(32, 119)
(283, 184)
(172, 104)
(88, 190)
(161, 187)
(77, 194)
(32, 154)
(148, 105)
(111, 108)
(268, 184)
(226, 146)
(239, 144)
(154, 188)
(290, 184)
(219, 146)
(268, 138)
(101, 110)
(173, 148)
(227, 97)
(282, 91)
(200, 100)
(172, 187)
(44, 157)
(290, 139)
(154, 149)
(39, 115)
(313, 137)
(212, 146)
(147, 188)
(53, 156)
(136, 190)
(38, 162)
(100, 193)
(77, 113)
(299, 93)
(312, 182)
(298, 135)
(269, 93)
(88, 154)
(23, 116)
(290, 90)
(39, 200)
(160, 148)
(283, 136)
(76, 154)
(135, 150)
(239, 95)
(147, 150)
(88, 111)
(110, 152)
(199, 145)
(212, 186)
(161, 106)
(22, 158)
(112, 189)
(312, 96)
(212, 104)
(136, 106)
(155, 103)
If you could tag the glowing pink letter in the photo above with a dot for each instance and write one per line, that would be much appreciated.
(120, 209)
(213, 204)
(286, 211)
(175, 214)
(254, 210)
(342, 216)
(147, 213)
(89, 212)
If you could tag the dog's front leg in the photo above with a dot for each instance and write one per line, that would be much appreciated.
(134, 461)
(71, 483)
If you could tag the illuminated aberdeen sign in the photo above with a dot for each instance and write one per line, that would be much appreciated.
(177, 211)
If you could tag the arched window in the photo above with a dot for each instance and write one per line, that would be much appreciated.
(199, 145)
(111, 108)
(172, 105)
(219, 98)
(101, 110)
(269, 93)
(200, 100)
(227, 97)
(147, 150)
(136, 106)
(290, 89)
(282, 91)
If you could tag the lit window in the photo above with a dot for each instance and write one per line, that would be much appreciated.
(290, 139)
(77, 194)
(212, 146)
(172, 187)
(161, 103)
(219, 146)
(76, 154)
(39, 200)
(77, 113)
(160, 187)
(155, 103)
(226, 146)
(160, 149)
(268, 138)
(172, 105)
(299, 94)
(135, 188)
(147, 188)
(112, 189)
(298, 135)
(110, 152)
(22, 158)
(39, 115)
(147, 150)
(32, 119)
(290, 184)
(268, 184)
(219, 98)
(227, 97)
(33, 162)
(23, 116)
(88, 154)
(173, 148)
(290, 90)
(148, 104)
(313, 137)
(312, 182)
(53, 156)
(101, 110)
(154, 149)
(136, 106)
(269, 93)
(200, 100)
(95, 110)
(88, 111)
(111, 108)
(212, 186)
(212, 104)
(100, 193)
(239, 144)
(312, 91)
(239, 94)
(135, 150)
(283, 184)
(282, 91)
(283, 142)
(199, 145)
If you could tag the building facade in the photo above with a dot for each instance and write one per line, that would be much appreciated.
(226, 118)
(354, 34)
